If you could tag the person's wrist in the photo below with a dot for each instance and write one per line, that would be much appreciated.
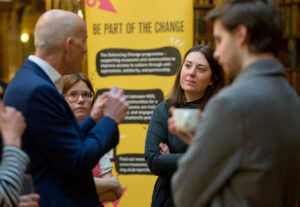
(116, 183)
(12, 140)
(95, 117)
(112, 117)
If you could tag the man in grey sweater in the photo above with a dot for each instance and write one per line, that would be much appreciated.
(246, 151)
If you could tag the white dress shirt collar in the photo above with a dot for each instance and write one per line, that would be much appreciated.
(54, 76)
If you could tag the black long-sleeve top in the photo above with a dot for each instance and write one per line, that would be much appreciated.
(162, 165)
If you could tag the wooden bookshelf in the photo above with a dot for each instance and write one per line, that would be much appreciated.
(292, 69)
(204, 37)
(204, 6)
(202, 29)
(290, 11)
(290, 53)
(297, 36)
(288, 3)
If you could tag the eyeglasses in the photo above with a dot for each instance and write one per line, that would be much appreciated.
(74, 95)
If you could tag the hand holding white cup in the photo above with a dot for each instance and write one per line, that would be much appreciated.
(186, 119)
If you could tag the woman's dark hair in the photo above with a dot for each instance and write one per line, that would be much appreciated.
(261, 17)
(72, 79)
(177, 98)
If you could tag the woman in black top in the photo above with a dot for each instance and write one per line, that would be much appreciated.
(199, 77)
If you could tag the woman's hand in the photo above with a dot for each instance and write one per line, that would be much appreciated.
(117, 186)
(164, 148)
(187, 137)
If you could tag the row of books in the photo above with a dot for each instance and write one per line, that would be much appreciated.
(201, 27)
(288, 1)
(209, 42)
(294, 52)
(293, 77)
(202, 2)
(290, 19)
(291, 28)
(207, 2)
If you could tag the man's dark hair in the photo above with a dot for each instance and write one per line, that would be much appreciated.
(261, 17)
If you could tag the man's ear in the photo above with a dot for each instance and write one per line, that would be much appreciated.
(242, 33)
(68, 45)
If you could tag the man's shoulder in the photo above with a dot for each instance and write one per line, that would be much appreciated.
(26, 85)
(30, 77)
(231, 98)
(229, 92)
(242, 90)
(26, 82)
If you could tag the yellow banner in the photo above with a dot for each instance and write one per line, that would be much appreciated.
(137, 45)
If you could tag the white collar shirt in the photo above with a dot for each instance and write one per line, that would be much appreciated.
(54, 76)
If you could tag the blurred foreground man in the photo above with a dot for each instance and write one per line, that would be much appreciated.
(246, 151)
(62, 152)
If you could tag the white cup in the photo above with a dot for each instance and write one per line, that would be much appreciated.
(186, 119)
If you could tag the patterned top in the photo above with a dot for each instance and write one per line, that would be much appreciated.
(12, 169)
(105, 165)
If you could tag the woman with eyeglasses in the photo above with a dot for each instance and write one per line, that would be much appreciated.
(79, 94)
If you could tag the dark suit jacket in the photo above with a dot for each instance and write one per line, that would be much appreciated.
(247, 147)
(62, 152)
